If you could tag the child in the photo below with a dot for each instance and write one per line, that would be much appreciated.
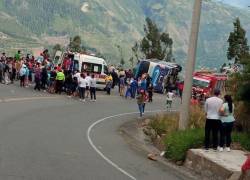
(169, 100)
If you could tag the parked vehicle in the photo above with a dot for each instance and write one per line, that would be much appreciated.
(204, 83)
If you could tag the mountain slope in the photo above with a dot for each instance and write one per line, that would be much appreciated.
(103, 24)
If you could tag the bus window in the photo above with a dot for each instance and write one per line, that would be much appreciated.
(91, 68)
(75, 65)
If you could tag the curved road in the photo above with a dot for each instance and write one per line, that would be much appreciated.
(44, 137)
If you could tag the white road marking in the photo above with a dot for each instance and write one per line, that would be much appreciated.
(100, 153)
(26, 99)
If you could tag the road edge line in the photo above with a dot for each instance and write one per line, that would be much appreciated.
(100, 153)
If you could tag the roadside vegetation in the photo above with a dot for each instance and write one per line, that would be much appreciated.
(177, 143)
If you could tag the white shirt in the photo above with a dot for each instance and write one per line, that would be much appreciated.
(82, 83)
(212, 107)
(92, 82)
(170, 96)
(88, 78)
(78, 76)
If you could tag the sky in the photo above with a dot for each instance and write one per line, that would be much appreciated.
(238, 3)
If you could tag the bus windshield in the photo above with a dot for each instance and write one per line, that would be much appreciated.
(91, 68)
(200, 83)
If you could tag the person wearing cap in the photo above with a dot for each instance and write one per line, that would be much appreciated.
(213, 122)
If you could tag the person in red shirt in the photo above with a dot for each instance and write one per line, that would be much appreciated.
(180, 88)
(246, 166)
(194, 100)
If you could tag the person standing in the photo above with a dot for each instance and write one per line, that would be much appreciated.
(141, 101)
(133, 84)
(213, 122)
(82, 87)
(88, 78)
(122, 85)
(60, 78)
(108, 81)
(150, 92)
(44, 78)
(227, 119)
(37, 78)
(22, 74)
(169, 99)
(93, 88)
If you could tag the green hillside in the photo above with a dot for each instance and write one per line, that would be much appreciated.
(103, 24)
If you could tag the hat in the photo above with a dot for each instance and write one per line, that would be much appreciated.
(217, 92)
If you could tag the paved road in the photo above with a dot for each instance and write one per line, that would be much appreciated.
(44, 137)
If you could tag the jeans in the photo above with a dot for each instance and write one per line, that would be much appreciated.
(140, 106)
(93, 93)
(214, 126)
(225, 134)
(82, 92)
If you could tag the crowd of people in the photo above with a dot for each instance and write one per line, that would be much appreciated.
(46, 76)
(53, 78)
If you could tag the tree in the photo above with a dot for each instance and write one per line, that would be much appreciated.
(75, 44)
(237, 43)
(239, 82)
(57, 47)
(122, 61)
(131, 60)
(135, 50)
(155, 45)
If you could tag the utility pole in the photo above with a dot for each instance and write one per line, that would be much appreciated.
(190, 64)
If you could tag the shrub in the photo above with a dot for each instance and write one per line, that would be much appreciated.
(242, 117)
(197, 117)
(165, 123)
(179, 142)
(243, 139)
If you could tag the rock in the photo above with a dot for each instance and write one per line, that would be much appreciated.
(147, 121)
(147, 130)
(152, 157)
(153, 134)
(162, 153)
(179, 163)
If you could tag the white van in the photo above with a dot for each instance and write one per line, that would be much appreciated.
(94, 65)
(86, 64)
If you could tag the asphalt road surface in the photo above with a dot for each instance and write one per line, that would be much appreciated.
(50, 137)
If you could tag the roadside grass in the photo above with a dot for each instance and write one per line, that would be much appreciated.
(177, 143)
